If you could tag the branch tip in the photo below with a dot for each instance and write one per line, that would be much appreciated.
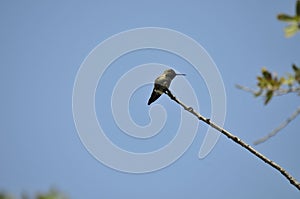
(237, 140)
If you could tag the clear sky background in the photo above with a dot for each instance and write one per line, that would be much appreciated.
(43, 44)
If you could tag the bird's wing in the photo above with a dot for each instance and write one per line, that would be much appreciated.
(155, 95)
(160, 85)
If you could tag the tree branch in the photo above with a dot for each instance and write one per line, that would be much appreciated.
(279, 128)
(278, 92)
(237, 140)
(244, 88)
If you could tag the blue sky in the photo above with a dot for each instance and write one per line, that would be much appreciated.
(42, 47)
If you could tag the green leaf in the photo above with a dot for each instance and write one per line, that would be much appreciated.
(266, 74)
(5, 196)
(289, 80)
(295, 68)
(291, 30)
(258, 93)
(269, 96)
(286, 18)
(297, 75)
(282, 80)
(262, 82)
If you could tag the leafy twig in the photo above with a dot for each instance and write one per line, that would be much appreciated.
(280, 127)
(279, 92)
(293, 21)
(237, 140)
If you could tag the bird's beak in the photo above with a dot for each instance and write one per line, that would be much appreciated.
(181, 74)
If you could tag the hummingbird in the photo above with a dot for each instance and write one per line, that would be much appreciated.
(161, 84)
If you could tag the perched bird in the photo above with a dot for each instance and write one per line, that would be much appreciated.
(161, 84)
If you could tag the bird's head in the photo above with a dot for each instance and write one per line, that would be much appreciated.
(170, 73)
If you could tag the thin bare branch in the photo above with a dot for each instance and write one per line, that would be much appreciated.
(279, 128)
(289, 90)
(244, 88)
(237, 140)
(279, 92)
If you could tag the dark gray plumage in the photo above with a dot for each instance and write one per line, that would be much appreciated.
(162, 84)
